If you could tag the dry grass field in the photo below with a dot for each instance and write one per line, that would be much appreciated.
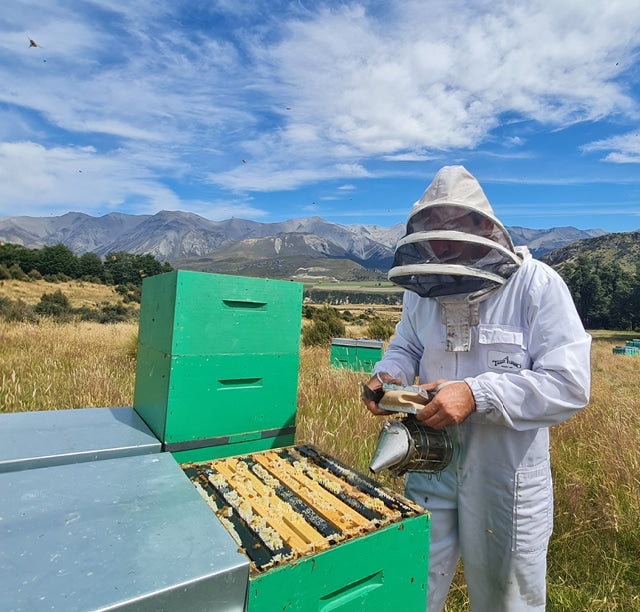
(79, 293)
(49, 366)
(593, 560)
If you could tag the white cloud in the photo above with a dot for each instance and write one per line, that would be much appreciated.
(623, 148)
(410, 84)
(220, 210)
(415, 156)
(73, 178)
(55, 181)
(354, 170)
(138, 81)
(429, 79)
(515, 141)
(623, 158)
(304, 95)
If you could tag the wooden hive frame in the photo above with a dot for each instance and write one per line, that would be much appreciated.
(283, 504)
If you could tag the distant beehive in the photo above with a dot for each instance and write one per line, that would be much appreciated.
(359, 354)
(625, 350)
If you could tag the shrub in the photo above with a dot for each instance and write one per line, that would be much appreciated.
(88, 314)
(316, 334)
(326, 325)
(331, 317)
(17, 272)
(16, 310)
(115, 313)
(88, 278)
(129, 292)
(54, 305)
(56, 278)
(380, 329)
(348, 316)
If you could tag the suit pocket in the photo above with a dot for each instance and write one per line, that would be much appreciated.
(504, 348)
(533, 508)
(513, 337)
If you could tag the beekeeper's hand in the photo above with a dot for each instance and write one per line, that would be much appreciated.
(375, 385)
(453, 403)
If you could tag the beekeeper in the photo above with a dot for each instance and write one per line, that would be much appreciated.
(501, 329)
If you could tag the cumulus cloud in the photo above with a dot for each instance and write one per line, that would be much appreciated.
(72, 178)
(237, 98)
(623, 149)
(433, 78)
(424, 78)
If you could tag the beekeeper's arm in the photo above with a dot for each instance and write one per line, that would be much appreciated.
(558, 381)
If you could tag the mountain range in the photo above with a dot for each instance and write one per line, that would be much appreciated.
(311, 247)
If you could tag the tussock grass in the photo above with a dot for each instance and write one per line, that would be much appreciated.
(49, 366)
(79, 293)
(331, 415)
(594, 551)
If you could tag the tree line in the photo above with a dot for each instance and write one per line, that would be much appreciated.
(606, 295)
(58, 262)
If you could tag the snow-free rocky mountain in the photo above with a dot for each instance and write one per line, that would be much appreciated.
(297, 247)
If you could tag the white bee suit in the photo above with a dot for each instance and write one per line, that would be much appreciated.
(525, 356)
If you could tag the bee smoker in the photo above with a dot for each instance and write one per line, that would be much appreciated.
(406, 445)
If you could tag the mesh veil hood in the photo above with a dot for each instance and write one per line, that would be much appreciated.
(453, 243)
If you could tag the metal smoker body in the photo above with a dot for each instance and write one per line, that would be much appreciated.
(406, 445)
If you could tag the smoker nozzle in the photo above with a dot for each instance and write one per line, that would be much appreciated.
(393, 447)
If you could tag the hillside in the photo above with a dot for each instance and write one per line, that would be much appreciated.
(295, 256)
(543, 241)
(80, 294)
(297, 268)
(622, 248)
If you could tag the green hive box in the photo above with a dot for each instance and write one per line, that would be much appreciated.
(384, 570)
(344, 541)
(355, 354)
(625, 350)
(217, 364)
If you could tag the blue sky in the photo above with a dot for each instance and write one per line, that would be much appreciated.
(271, 110)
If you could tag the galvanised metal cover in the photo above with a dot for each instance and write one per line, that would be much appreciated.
(319, 535)
(54, 437)
(218, 359)
(119, 534)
